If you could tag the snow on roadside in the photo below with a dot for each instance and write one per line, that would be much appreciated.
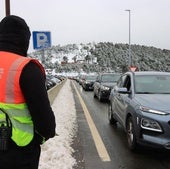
(57, 152)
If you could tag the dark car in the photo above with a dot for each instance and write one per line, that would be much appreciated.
(140, 102)
(88, 82)
(51, 81)
(103, 85)
(80, 78)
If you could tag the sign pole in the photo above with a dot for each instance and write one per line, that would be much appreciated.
(43, 56)
(7, 6)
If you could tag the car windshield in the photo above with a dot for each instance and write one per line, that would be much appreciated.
(90, 77)
(110, 78)
(152, 84)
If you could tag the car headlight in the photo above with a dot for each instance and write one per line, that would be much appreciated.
(105, 88)
(150, 125)
(148, 110)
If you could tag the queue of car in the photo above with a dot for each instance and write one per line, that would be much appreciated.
(52, 80)
(139, 101)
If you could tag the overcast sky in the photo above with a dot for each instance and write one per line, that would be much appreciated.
(83, 21)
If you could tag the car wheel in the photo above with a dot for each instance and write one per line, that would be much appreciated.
(112, 121)
(94, 94)
(100, 96)
(131, 136)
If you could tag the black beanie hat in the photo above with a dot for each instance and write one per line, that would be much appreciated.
(14, 35)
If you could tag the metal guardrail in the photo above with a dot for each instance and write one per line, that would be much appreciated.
(53, 92)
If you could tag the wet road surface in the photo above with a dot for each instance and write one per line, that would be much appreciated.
(114, 140)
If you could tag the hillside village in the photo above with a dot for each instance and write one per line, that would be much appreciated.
(103, 56)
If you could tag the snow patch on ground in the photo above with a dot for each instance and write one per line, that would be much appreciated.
(57, 152)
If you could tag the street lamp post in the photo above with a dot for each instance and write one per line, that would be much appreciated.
(130, 59)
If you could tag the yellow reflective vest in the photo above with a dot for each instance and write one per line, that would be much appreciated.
(12, 101)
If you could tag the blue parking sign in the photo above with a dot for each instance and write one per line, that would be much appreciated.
(41, 40)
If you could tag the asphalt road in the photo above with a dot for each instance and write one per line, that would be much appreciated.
(111, 152)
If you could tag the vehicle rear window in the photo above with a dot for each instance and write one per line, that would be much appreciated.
(110, 78)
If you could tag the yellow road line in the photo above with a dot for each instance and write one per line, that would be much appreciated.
(101, 149)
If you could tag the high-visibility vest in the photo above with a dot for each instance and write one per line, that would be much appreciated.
(12, 101)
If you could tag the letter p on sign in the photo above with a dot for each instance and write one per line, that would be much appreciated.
(41, 40)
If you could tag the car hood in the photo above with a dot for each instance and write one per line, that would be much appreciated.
(156, 101)
(108, 84)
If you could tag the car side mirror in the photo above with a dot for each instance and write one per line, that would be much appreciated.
(123, 90)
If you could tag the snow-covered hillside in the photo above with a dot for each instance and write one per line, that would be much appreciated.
(104, 56)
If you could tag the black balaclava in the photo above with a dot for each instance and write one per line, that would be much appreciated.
(14, 35)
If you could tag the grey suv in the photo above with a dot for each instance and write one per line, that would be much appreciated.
(140, 102)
